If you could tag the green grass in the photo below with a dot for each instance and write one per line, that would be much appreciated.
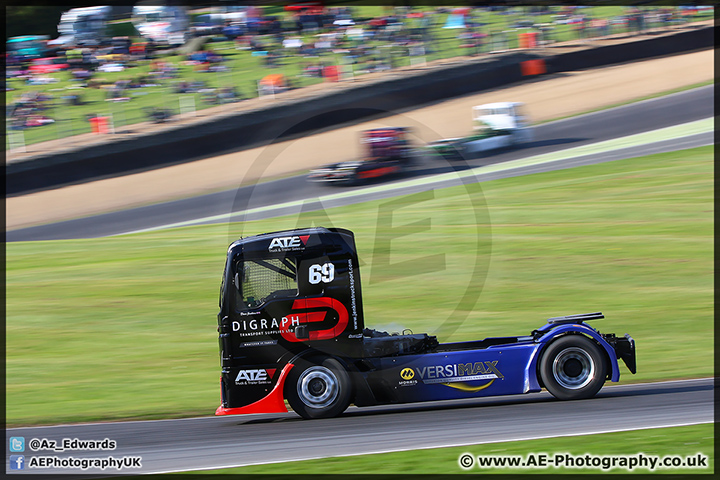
(245, 70)
(676, 441)
(125, 327)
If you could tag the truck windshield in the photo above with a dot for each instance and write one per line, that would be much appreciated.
(520, 111)
(86, 25)
(386, 145)
(155, 17)
(495, 111)
(258, 281)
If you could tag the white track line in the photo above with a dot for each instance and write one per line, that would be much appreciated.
(639, 139)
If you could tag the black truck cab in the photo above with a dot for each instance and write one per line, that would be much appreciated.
(294, 295)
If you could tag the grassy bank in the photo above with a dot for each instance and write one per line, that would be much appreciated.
(124, 327)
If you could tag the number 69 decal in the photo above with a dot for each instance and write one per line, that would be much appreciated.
(322, 273)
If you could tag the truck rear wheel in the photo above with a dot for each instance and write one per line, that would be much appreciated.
(572, 368)
(318, 388)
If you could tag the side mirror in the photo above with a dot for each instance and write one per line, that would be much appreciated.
(302, 332)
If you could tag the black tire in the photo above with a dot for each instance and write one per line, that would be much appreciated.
(318, 388)
(573, 367)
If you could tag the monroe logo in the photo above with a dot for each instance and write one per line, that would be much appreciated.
(284, 244)
(407, 375)
(255, 376)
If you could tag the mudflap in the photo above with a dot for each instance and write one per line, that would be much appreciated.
(274, 402)
(625, 349)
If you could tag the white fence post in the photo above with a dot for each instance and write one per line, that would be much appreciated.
(16, 139)
(187, 105)
(417, 56)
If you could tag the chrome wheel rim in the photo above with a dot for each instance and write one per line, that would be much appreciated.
(573, 368)
(318, 387)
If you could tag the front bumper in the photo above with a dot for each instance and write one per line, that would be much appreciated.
(274, 402)
(329, 177)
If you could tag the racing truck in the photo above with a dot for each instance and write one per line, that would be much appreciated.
(495, 125)
(388, 151)
(291, 327)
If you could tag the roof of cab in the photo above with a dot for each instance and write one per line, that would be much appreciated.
(288, 233)
(499, 105)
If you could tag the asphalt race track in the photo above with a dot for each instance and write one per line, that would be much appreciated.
(214, 442)
(560, 135)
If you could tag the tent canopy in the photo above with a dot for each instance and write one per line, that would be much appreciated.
(455, 20)
(273, 80)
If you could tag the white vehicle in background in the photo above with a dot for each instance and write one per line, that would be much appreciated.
(162, 25)
(496, 125)
(215, 22)
(82, 26)
(207, 24)
(234, 13)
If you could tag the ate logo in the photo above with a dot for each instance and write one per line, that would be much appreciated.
(282, 244)
(254, 376)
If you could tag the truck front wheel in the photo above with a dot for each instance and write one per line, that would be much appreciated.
(572, 368)
(318, 388)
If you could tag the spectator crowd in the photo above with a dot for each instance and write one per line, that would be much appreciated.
(323, 38)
